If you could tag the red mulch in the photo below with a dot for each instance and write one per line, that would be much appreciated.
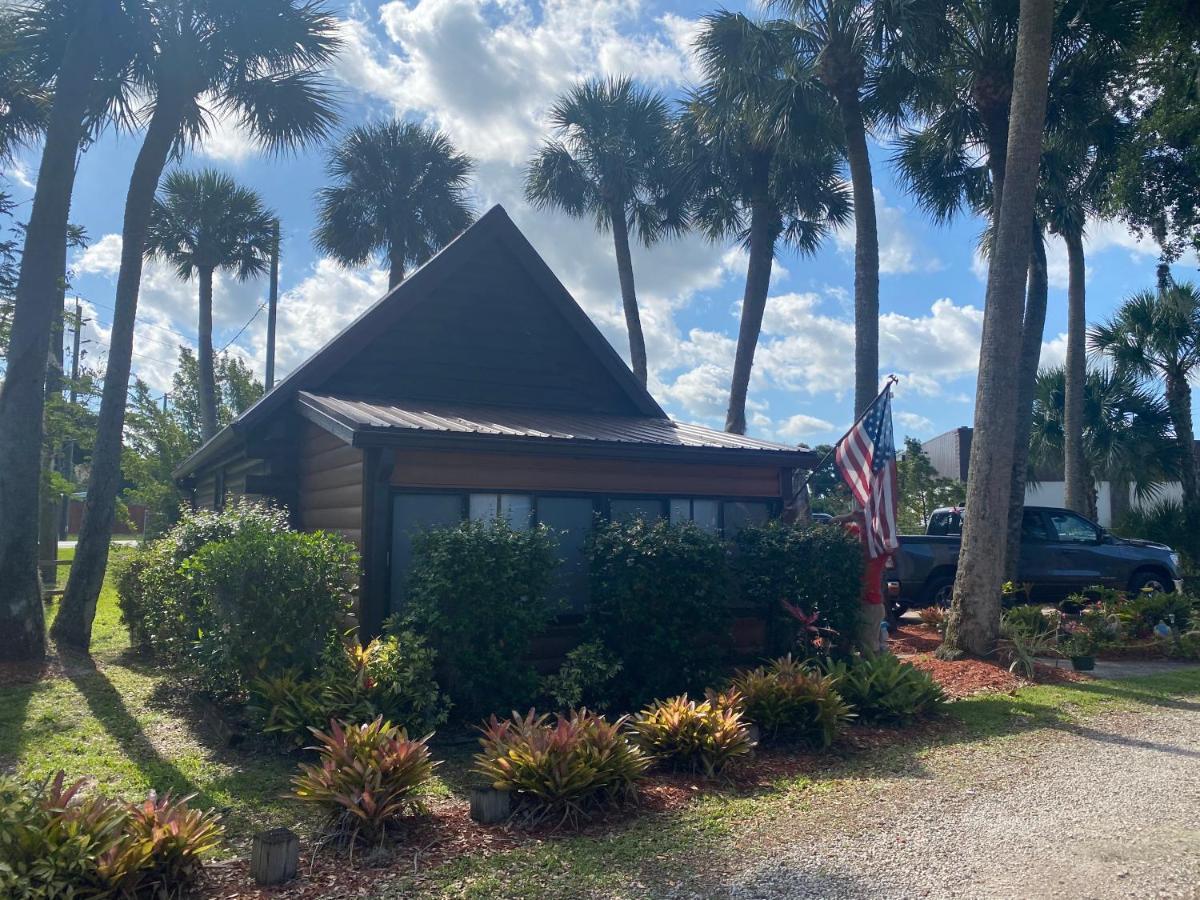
(914, 638)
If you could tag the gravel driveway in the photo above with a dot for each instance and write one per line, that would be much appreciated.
(1106, 809)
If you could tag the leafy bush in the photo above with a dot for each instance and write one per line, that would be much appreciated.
(563, 770)
(933, 616)
(1031, 620)
(701, 737)
(1021, 646)
(1141, 613)
(1165, 522)
(391, 677)
(584, 679)
(55, 844)
(236, 594)
(881, 688)
(817, 569)
(369, 777)
(479, 592)
(788, 700)
(658, 604)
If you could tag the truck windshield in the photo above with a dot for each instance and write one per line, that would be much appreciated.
(945, 523)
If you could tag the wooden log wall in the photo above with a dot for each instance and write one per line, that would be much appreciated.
(331, 485)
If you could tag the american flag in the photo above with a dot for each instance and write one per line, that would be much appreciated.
(866, 459)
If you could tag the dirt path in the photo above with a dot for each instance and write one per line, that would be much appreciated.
(1106, 809)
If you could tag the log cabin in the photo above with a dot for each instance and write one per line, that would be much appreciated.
(479, 388)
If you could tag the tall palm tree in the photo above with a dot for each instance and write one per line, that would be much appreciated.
(611, 159)
(974, 621)
(202, 222)
(1127, 437)
(401, 192)
(80, 49)
(259, 62)
(1155, 337)
(759, 143)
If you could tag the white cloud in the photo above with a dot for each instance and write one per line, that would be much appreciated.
(1054, 352)
(916, 424)
(102, 257)
(802, 427)
(898, 251)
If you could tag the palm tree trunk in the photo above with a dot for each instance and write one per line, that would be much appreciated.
(1118, 499)
(1074, 466)
(204, 355)
(73, 626)
(974, 621)
(1031, 354)
(1179, 401)
(633, 320)
(22, 396)
(866, 254)
(754, 302)
(48, 503)
(395, 266)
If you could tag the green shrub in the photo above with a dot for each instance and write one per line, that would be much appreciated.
(479, 593)
(1031, 620)
(881, 688)
(565, 770)
(817, 569)
(659, 604)
(55, 844)
(369, 777)
(1141, 613)
(788, 700)
(584, 679)
(1165, 522)
(700, 737)
(391, 677)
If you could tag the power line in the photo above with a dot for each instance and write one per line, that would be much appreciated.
(261, 307)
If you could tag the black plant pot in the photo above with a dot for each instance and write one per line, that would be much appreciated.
(1083, 663)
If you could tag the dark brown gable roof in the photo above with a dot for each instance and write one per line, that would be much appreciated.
(566, 361)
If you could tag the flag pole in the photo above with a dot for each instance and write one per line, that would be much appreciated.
(891, 379)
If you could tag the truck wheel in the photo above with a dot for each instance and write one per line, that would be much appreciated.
(1152, 580)
(939, 591)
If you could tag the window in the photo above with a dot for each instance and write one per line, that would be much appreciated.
(411, 513)
(1073, 529)
(1033, 526)
(628, 509)
(219, 490)
(570, 519)
(515, 509)
(739, 514)
(705, 513)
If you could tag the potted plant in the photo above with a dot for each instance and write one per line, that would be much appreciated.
(1080, 648)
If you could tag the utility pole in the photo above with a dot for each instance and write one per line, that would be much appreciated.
(272, 307)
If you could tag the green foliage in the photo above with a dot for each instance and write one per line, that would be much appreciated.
(1023, 638)
(1031, 619)
(565, 770)
(369, 777)
(933, 616)
(700, 737)
(1147, 609)
(1164, 522)
(584, 679)
(788, 700)
(234, 595)
(922, 490)
(55, 844)
(391, 677)
(881, 688)
(659, 605)
(480, 593)
(817, 569)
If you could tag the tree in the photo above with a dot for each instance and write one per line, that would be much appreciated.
(760, 146)
(1155, 337)
(974, 620)
(611, 159)
(79, 48)
(201, 223)
(257, 61)
(1127, 438)
(400, 191)
(922, 490)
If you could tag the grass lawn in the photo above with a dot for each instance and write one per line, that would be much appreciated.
(128, 727)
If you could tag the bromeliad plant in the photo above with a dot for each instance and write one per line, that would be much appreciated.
(882, 688)
(369, 778)
(700, 737)
(787, 699)
(563, 769)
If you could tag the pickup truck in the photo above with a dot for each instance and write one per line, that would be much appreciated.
(1061, 553)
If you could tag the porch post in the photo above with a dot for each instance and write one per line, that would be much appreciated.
(374, 590)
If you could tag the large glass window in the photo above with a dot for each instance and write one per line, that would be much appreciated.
(626, 509)
(740, 513)
(570, 520)
(515, 509)
(412, 513)
(1073, 529)
(705, 513)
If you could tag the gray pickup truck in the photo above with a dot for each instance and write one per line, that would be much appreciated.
(1061, 553)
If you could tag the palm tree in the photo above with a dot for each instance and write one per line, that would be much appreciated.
(401, 192)
(974, 621)
(1127, 437)
(259, 62)
(80, 49)
(203, 222)
(759, 144)
(611, 159)
(1155, 337)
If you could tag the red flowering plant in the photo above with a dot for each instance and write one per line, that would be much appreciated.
(812, 638)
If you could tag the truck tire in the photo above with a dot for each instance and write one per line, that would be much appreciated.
(1150, 579)
(938, 591)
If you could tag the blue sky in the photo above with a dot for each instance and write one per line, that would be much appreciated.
(485, 71)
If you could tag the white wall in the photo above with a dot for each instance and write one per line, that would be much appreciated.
(1053, 493)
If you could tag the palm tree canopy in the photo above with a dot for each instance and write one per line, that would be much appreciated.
(24, 101)
(761, 130)
(401, 188)
(611, 150)
(206, 221)
(1154, 334)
